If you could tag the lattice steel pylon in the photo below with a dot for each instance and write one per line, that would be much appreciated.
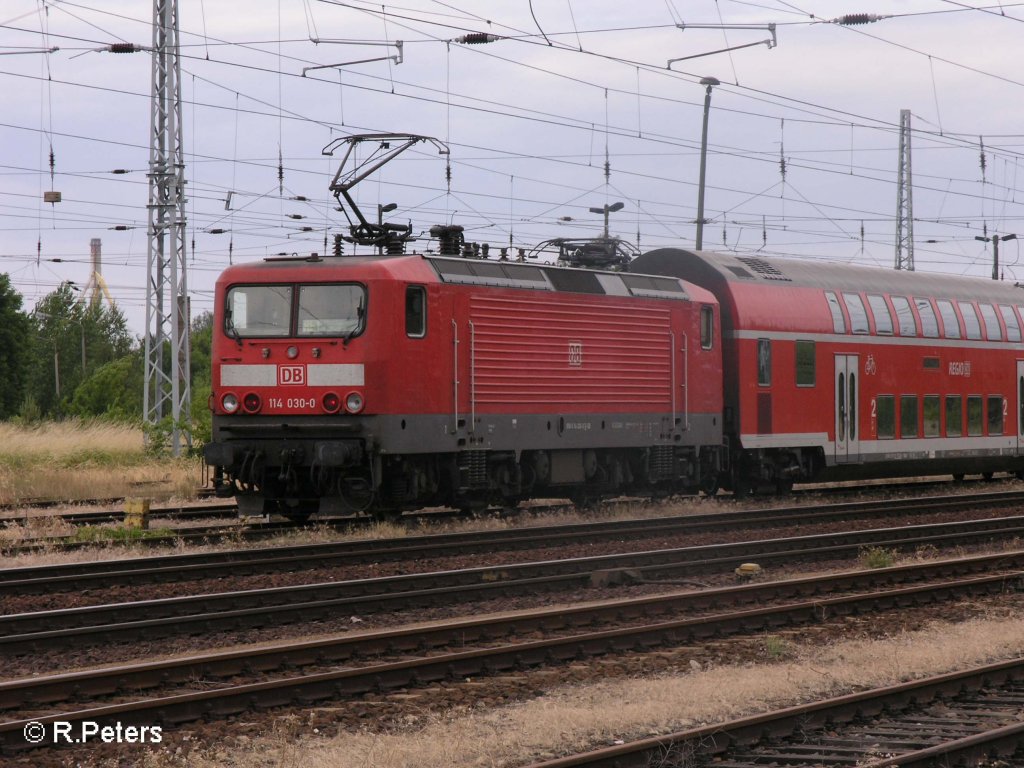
(167, 305)
(904, 199)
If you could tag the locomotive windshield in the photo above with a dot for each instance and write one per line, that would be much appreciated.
(323, 310)
(259, 310)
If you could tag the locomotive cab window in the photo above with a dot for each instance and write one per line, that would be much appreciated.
(258, 310)
(415, 311)
(331, 310)
(707, 327)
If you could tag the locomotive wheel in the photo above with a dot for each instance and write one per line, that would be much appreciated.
(710, 484)
(958, 477)
(987, 476)
(783, 487)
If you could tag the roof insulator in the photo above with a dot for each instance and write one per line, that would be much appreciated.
(476, 38)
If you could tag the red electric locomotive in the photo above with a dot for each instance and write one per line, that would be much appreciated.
(838, 372)
(373, 384)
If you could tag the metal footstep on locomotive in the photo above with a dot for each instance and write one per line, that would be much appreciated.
(954, 719)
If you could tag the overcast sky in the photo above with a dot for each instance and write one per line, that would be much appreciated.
(530, 120)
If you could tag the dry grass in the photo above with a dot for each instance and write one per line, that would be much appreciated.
(82, 460)
(582, 717)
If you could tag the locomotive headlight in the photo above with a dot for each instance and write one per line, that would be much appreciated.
(332, 403)
(292, 352)
(229, 403)
(354, 402)
(251, 402)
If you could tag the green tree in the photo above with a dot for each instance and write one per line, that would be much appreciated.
(72, 340)
(15, 349)
(114, 391)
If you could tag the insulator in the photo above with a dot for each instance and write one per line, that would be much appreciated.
(476, 38)
(339, 246)
(852, 19)
(300, 198)
(120, 228)
(216, 231)
(296, 216)
(120, 171)
(124, 48)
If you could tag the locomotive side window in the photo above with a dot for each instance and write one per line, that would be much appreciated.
(954, 416)
(972, 326)
(886, 407)
(858, 315)
(331, 310)
(908, 415)
(991, 322)
(931, 415)
(707, 327)
(950, 323)
(1012, 327)
(764, 362)
(995, 414)
(415, 311)
(904, 316)
(929, 323)
(883, 318)
(805, 364)
(975, 418)
(258, 310)
(838, 322)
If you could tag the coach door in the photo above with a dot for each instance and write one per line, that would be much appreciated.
(847, 388)
(1020, 406)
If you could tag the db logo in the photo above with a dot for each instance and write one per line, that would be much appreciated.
(291, 375)
(576, 353)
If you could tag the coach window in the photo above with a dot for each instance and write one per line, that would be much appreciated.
(883, 319)
(929, 323)
(707, 327)
(995, 414)
(975, 419)
(991, 322)
(908, 415)
(972, 326)
(858, 315)
(950, 323)
(764, 362)
(954, 416)
(885, 406)
(904, 316)
(415, 311)
(1012, 327)
(931, 415)
(838, 323)
(806, 374)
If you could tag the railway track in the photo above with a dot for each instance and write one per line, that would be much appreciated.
(77, 576)
(28, 632)
(380, 661)
(961, 718)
